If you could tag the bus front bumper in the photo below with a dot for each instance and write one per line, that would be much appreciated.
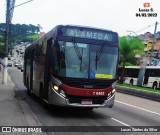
(57, 99)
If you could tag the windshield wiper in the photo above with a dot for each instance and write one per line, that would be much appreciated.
(99, 54)
(79, 55)
(77, 51)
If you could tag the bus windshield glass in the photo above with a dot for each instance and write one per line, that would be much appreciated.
(80, 60)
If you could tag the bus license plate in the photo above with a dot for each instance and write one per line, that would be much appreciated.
(86, 102)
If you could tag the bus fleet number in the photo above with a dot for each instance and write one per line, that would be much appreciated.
(99, 93)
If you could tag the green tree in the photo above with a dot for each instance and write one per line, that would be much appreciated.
(1, 46)
(129, 47)
(20, 29)
(1, 50)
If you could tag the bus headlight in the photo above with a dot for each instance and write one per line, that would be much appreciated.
(113, 91)
(55, 87)
(58, 90)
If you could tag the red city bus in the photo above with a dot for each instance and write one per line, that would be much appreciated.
(73, 66)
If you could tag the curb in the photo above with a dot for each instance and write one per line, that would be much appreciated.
(140, 93)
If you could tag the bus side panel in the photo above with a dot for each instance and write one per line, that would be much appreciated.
(131, 76)
(38, 73)
(38, 69)
(27, 77)
(151, 81)
(35, 79)
(47, 68)
(24, 72)
(41, 68)
(130, 80)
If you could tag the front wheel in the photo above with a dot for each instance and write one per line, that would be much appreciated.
(154, 86)
(131, 82)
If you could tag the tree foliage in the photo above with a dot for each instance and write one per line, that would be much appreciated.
(129, 47)
(17, 31)
(1, 48)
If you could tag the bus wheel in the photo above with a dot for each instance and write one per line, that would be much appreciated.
(131, 82)
(154, 86)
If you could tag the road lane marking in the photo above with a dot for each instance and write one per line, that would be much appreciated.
(121, 122)
(138, 107)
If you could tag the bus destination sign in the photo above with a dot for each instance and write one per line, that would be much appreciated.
(90, 34)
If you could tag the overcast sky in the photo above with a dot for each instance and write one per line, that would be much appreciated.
(115, 15)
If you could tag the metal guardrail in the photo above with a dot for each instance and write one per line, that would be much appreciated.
(141, 93)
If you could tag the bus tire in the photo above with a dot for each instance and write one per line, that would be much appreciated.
(131, 82)
(154, 86)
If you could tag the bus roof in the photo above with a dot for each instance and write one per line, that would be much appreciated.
(85, 27)
(87, 33)
(81, 32)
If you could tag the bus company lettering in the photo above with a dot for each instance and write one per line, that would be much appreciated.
(89, 34)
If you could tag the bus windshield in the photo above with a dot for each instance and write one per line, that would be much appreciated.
(80, 60)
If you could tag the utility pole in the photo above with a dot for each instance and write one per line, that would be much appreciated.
(5, 72)
(151, 56)
(9, 15)
(143, 67)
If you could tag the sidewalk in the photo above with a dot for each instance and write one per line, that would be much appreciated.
(13, 111)
(10, 111)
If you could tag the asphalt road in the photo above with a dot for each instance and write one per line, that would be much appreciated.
(128, 111)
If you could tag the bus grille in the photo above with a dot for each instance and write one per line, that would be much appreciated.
(87, 83)
(95, 100)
